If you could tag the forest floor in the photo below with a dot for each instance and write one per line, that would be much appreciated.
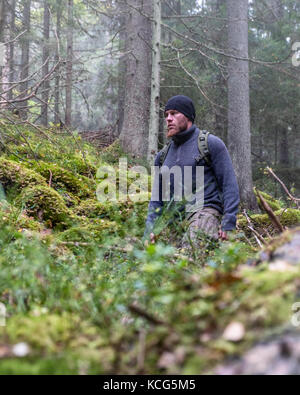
(83, 295)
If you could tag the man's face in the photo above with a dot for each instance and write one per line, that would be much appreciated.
(176, 122)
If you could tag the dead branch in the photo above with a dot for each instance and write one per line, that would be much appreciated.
(34, 88)
(259, 239)
(134, 308)
(275, 221)
(293, 198)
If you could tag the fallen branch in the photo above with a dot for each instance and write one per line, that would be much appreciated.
(142, 313)
(259, 239)
(293, 198)
(275, 221)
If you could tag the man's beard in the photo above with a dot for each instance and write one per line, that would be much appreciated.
(174, 131)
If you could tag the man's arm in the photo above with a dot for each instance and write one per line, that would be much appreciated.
(223, 168)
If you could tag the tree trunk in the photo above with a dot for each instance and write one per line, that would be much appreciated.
(68, 117)
(12, 48)
(218, 37)
(57, 118)
(45, 69)
(239, 138)
(7, 19)
(134, 134)
(155, 82)
(2, 11)
(122, 66)
(25, 57)
(283, 148)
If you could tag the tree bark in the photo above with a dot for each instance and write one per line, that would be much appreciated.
(68, 115)
(57, 118)
(122, 65)
(283, 148)
(134, 134)
(2, 11)
(6, 36)
(155, 82)
(25, 49)
(12, 47)
(45, 59)
(239, 138)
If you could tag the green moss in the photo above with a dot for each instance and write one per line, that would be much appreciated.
(15, 176)
(89, 233)
(54, 329)
(10, 215)
(287, 217)
(38, 366)
(269, 297)
(92, 209)
(44, 204)
(64, 180)
(272, 202)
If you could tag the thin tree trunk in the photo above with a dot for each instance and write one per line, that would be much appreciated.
(155, 82)
(220, 115)
(283, 148)
(45, 69)
(122, 67)
(57, 118)
(239, 138)
(7, 19)
(68, 117)
(134, 134)
(2, 11)
(12, 47)
(26, 22)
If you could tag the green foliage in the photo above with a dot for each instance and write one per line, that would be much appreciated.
(65, 181)
(44, 204)
(80, 287)
(272, 202)
(14, 177)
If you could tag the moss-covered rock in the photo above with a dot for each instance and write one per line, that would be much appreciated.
(15, 176)
(287, 217)
(10, 215)
(44, 204)
(284, 248)
(64, 180)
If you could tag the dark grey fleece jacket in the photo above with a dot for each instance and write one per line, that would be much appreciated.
(220, 185)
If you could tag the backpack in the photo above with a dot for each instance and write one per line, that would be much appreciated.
(202, 146)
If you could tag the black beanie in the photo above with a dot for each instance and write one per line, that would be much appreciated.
(182, 104)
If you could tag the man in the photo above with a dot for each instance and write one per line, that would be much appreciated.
(221, 195)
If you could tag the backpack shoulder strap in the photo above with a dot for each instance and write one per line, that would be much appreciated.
(203, 147)
(164, 153)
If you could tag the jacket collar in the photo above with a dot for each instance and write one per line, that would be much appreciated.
(184, 136)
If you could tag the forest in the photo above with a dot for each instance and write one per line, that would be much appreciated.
(83, 89)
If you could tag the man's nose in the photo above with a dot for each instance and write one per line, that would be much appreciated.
(169, 117)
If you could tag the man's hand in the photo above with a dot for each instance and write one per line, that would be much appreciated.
(152, 240)
(222, 235)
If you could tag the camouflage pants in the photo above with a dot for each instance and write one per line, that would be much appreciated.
(203, 224)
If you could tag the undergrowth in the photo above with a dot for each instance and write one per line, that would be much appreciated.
(85, 294)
